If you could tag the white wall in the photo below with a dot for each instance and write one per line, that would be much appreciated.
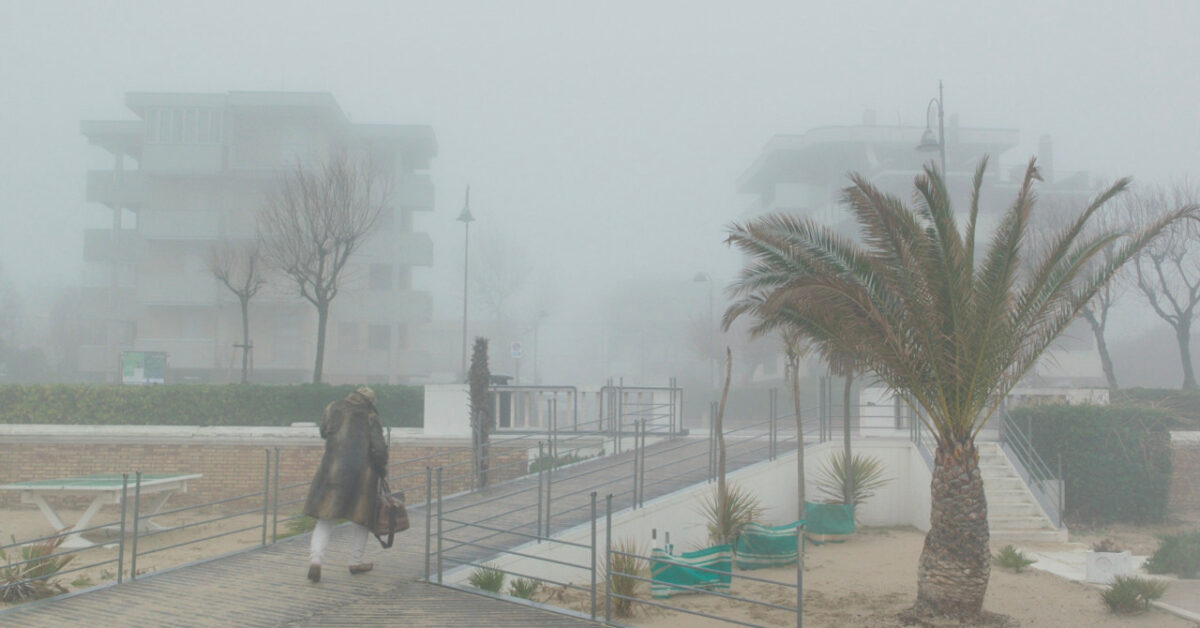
(903, 501)
(447, 413)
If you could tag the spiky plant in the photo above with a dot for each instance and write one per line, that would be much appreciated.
(487, 578)
(31, 576)
(628, 564)
(728, 512)
(524, 588)
(863, 476)
(1012, 558)
(1132, 594)
(478, 380)
(954, 329)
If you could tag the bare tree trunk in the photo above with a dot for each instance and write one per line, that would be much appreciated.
(847, 483)
(245, 338)
(1183, 335)
(322, 320)
(1102, 348)
(794, 380)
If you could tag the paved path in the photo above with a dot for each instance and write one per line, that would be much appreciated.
(267, 586)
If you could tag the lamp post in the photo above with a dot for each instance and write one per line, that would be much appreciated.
(712, 376)
(927, 141)
(465, 218)
(537, 378)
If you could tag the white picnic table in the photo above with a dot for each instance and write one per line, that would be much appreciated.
(105, 488)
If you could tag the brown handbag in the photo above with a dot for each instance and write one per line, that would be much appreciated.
(390, 516)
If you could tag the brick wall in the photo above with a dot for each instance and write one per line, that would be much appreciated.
(1185, 479)
(234, 469)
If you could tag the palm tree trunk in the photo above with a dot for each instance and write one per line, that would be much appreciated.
(794, 380)
(955, 564)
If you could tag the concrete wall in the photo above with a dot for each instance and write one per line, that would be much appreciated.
(904, 501)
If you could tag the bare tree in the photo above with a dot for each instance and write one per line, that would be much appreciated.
(239, 267)
(1168, 270)
(315, 222)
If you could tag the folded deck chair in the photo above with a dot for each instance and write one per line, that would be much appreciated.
(760, 546)
(675, 575)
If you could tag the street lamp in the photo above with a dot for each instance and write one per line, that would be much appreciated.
(465, 218)
(712, 375)
(927, 141)
(537, 378)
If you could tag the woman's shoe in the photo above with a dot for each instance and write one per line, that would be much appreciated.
(314, 572)
(363, 568)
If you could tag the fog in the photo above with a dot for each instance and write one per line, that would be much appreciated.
(603, 139)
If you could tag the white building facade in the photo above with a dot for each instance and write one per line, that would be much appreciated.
(191, 173)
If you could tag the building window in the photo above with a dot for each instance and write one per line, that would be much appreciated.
(379, 337)
(379, 277)
(348, 336)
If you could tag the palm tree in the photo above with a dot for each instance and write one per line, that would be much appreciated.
(951, 329)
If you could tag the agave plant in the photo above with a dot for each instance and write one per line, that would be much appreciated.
(863, 476)
(727, 514)
(30, 578)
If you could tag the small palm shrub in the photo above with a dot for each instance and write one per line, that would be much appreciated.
(30, 576)
(866, 477)
(1132, 594)
(627, 563)
(1012, 558)
(728, 517)
(1177, 554)
(487, 578)
(523, 588)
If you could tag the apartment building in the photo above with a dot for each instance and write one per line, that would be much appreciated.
(189, 173)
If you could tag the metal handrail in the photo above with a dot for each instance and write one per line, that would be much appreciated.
(1045, 485)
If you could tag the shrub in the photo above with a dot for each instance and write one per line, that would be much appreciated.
(1132, 594)
(30, 577)
(487, 578)
(627, 564)
(524, 588)
(728, 517)
(195, 404)
(1106, 545)
(1116, 459)
(866, 476)
(1177, 554)
(1010, 557)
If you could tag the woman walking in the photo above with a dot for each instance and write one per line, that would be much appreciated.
(347, 483)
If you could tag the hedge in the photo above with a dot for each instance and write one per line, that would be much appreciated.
(1116, 459)
(194, 404)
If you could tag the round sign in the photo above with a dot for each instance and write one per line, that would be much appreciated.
(516, 349)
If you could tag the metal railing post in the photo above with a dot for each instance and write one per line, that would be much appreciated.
(799, 574)
(275, 501)
(608, 558)
(266, 496)
(712, 440)
(1062, 490)
(121, 543)
(593, 554)
(137, 505)
(428, 515)
(636, 463)
(541, 473)
(549, 482)
(439, 524)
(642, 468)
(771, 437)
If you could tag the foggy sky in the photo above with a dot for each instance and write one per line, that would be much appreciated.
(590, 130)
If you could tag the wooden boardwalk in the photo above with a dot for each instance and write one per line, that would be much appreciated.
(266, 586)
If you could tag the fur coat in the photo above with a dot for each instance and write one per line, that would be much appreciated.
(356, 457)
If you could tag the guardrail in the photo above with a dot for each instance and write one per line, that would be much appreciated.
(1046, 485)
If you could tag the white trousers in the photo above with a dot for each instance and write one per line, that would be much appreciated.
(320, 541)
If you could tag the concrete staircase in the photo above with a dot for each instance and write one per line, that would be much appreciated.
(1014, 514)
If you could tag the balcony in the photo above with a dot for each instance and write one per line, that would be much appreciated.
(393, 306)
(182, 353)
(414, 192)
(183, 158)
(414, 249)
(116, 188)
(159, 288)
(176, 225)
(99, 245)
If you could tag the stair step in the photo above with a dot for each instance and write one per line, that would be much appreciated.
(1029, 536)
(1017, 523)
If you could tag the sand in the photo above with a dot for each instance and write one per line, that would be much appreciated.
(862, 582)
(867, 580)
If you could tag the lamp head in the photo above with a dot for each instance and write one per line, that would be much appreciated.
(929, 141)
(701, 276)
(465, 216)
